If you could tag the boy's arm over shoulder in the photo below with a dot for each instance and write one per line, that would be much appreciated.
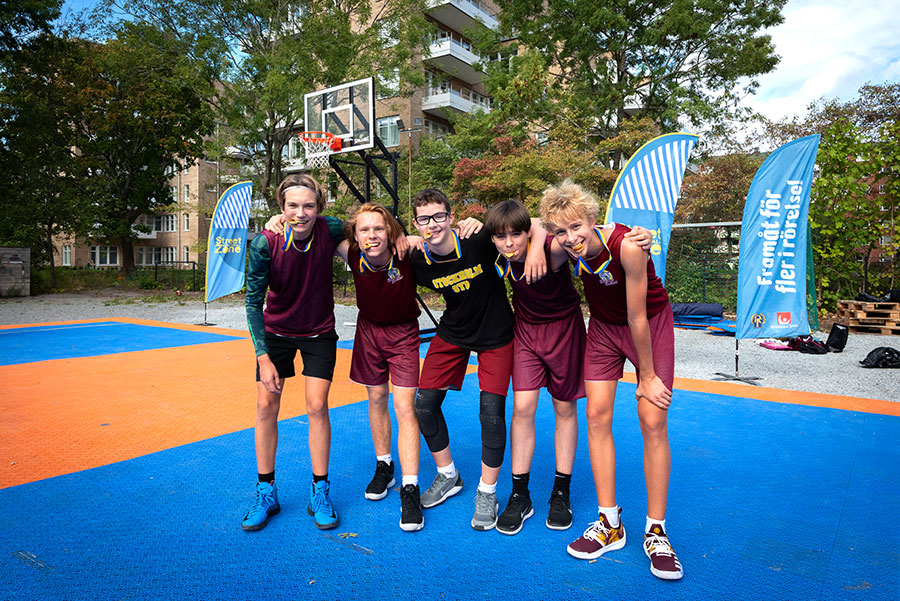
(259, 261)
(335, 228)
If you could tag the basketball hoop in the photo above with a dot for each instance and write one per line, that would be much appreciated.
(318, 146)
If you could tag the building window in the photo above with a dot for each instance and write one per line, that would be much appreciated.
(388, 131)
(174, 193)
(164, 223)
(102, 256)
(67, 255)
(187, 193)
(438, 130)
(388, 84)
(187, 253)
(187, 222)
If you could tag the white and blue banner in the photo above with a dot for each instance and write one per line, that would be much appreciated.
(771, 298)
(227, 245)
(647, 190)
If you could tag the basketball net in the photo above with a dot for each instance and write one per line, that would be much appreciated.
(321, 144)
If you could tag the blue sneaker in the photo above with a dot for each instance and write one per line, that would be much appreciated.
(266, 506)
(320, 506)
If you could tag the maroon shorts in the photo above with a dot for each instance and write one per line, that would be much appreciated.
(445, 367)
(609, 345)
(380, 351)
(551, 355)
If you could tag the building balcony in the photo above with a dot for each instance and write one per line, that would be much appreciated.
(445, 102)
(461, 14)
(453, 58)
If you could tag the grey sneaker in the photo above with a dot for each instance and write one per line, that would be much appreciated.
(485, 516)
(441, 489)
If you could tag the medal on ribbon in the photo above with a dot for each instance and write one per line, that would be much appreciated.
(601, 272)
(456, 246)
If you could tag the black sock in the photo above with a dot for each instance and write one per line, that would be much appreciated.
(520, 483)
(561, 482)
(320, 478)
(270, 477)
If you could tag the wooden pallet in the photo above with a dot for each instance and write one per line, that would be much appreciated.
(870, 318)
(884, 331)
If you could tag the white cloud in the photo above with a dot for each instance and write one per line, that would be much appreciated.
(829, 48)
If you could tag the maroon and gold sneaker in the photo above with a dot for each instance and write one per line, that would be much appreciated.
(663, 561)
(599, 538)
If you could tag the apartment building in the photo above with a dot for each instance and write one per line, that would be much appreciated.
(454, 85)
(178, 234)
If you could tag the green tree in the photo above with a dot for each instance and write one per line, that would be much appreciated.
(850, 214)
(24, 19)
(46, 193)
(268, 54)
(141, 112)
(841, 212)
(718, 191)
(681, 59)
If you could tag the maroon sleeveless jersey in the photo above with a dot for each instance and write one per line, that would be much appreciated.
(606, 294)
(551, 298)
(386, 296)
(301, 297)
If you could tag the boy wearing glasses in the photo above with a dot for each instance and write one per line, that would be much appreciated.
(477, 318)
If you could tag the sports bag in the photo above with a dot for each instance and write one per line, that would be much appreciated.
(837, 338)
(883, 356)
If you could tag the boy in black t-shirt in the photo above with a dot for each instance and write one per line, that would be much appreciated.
(477, 318)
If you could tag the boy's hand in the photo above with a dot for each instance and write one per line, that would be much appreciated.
(402, 247)
(276, 224)
(535, 263)
(641, 236)
(417, 242)
(469, 227)
(268, 375)
(654, 391)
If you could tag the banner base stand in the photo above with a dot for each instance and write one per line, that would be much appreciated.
(745, 379)
(205, 323)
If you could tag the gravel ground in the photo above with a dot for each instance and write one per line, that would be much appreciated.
(698, 354)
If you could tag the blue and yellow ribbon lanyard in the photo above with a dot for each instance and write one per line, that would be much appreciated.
(456, 246)
(600, 271)
(289, 241)
(365, 266)
(507, 269)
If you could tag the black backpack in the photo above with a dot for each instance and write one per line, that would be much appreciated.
(808, 345)
(837, 338)
(883, 356)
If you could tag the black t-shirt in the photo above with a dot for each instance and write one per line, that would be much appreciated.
(478, 316)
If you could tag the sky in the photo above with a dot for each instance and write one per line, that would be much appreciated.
(828, 48)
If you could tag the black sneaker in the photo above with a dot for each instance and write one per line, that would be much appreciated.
(560, 515)
(381, 481)
(411, 518)
(518, 509)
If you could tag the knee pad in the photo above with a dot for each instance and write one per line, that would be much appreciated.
(431, 419)
(493, 428)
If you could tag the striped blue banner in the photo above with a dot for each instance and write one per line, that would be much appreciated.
(227, 244)
(647, 190)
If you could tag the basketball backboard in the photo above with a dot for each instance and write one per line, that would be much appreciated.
(347, 111)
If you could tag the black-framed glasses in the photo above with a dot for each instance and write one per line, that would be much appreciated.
(438, 218)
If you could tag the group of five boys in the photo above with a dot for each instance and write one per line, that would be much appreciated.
(290, 305)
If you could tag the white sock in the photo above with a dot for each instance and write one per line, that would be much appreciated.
(612, 515)
(487, 488)
(448, 471)
(651, 521)
(414, 480)
(386, 458)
